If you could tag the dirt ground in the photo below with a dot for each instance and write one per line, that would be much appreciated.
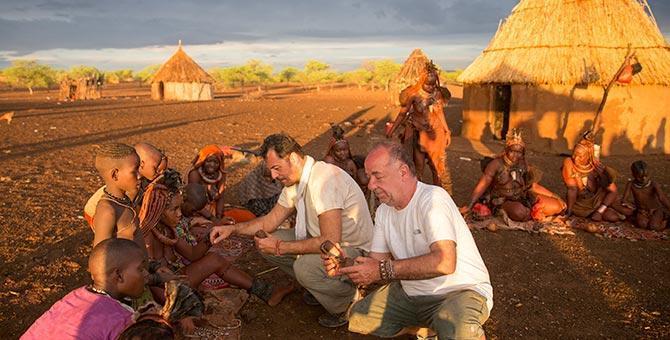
(581, 286)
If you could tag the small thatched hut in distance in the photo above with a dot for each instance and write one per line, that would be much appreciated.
(80, 89)
(180, 78)
(409, 73)
(544, 72)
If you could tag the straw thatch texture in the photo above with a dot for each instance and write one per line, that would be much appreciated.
(180, 68)
(572, 42)
(409, 73)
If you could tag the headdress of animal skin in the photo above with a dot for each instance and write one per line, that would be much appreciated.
(514, 138)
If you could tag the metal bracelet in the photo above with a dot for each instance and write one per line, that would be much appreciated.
(390, 270)
(383, 274)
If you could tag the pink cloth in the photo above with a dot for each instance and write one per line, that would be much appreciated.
(81, 314)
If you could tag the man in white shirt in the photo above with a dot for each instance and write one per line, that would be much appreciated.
(329, 205)
(423, 248)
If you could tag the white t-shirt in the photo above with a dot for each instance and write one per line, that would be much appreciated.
(430, 216)
(328, 188)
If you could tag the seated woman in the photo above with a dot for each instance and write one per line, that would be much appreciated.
(651, 206)
(592, 192)
(159, 218)
(208, 169)
(258, 191)
(511, 185)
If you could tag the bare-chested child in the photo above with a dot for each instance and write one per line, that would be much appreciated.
(160, 219)
(651, 205)
(152, 164)
(208, 170)
(339, 153)
(115, 215)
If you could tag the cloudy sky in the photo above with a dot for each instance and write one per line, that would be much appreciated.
(116, 34)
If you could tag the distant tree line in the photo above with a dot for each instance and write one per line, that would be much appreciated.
(374, 74)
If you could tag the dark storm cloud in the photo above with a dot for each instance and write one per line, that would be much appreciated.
(29, 26)
(37, 25)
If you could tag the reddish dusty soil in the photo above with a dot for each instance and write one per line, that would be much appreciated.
(580, 286)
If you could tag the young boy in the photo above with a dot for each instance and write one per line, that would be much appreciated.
(115, 215)
(152, 164)
(651, 204)
(100, 310)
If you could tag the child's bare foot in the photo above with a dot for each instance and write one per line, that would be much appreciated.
(278, 294)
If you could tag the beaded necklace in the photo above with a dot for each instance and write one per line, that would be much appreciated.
(125, 200)
(642, 186)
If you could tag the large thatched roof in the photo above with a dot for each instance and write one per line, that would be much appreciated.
(572, 42)
(180, 68)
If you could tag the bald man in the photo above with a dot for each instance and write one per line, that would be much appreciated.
(100, 310)
(423, 253)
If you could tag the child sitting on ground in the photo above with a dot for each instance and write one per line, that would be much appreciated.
(152, 164)
(115, 215)
(161, 214)
(650, 203)
(100, 310)
(339, 153)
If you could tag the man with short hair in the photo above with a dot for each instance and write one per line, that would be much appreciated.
(330, 206)
(423, 248)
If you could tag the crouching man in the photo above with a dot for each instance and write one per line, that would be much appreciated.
(423, 251)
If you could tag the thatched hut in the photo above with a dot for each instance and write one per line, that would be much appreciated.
(409, 73)
(80, 89)
(180, 78)
(545, 69)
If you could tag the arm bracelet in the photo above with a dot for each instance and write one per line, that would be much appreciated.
(386, 272)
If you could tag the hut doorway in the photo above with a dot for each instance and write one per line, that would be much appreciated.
(161, 90)
(502, 102)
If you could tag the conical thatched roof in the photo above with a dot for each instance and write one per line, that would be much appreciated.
(572, 42)
(180, 68)
(409, 73)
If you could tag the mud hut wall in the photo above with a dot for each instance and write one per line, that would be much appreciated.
(636, 119)
(478, 112)
(187, 91)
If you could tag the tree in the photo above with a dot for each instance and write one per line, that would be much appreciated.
(317, 72)
(148, 72)
(288, 74)
(383, 71)
(257, 72)
(450, 75)
(115, 77)
(229, 76)
(29, 74)
(359, 77)
(83, 71)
